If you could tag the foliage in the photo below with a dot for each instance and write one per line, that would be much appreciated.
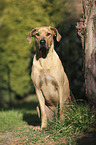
(16, 22)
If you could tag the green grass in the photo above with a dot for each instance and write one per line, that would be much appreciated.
(78, 120)
(20, 114)
(17, 124)
(10, 120)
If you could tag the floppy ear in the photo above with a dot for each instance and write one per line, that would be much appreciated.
(56, 33)
(29, 38)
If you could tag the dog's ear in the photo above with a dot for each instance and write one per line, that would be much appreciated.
(56, 33)
(29, 38)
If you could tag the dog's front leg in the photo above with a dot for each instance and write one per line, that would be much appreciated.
(61, 95)
(43, 109)
(64, 95)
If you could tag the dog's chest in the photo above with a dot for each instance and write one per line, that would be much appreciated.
(44, 75)
(46, 81)
(47, 72)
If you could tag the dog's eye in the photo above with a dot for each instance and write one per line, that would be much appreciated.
(48, 34)
(37, 34)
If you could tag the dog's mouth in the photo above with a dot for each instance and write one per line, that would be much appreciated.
(43, 51)
(43, 48)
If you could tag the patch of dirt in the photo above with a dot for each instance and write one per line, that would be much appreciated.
(15, 138)
(9, 138)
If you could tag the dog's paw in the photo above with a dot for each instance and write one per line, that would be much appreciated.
(43, 128)
(35, 128)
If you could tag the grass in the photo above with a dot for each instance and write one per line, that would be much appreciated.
(78, 120)
(10, 120)
(17, 125)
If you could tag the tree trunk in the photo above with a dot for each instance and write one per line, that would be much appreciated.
(87, 31)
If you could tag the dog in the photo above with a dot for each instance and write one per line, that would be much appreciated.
(50, 80)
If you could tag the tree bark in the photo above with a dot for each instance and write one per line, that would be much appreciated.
(87, 31)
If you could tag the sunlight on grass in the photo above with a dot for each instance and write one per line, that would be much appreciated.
(10, 120)
(24, 113)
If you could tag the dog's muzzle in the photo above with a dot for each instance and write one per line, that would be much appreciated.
(43, 44)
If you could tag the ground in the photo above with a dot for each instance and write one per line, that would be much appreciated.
(20, 125)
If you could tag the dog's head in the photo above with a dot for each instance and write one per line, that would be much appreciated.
(43, 37)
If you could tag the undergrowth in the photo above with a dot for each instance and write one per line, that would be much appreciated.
(78, 119)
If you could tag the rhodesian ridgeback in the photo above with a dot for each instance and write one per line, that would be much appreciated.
(49, 78)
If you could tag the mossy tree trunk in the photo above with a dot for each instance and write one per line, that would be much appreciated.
(87, 31)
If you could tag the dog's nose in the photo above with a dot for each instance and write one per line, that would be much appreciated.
(42, 41)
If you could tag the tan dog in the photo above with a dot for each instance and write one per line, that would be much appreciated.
(49, 78)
